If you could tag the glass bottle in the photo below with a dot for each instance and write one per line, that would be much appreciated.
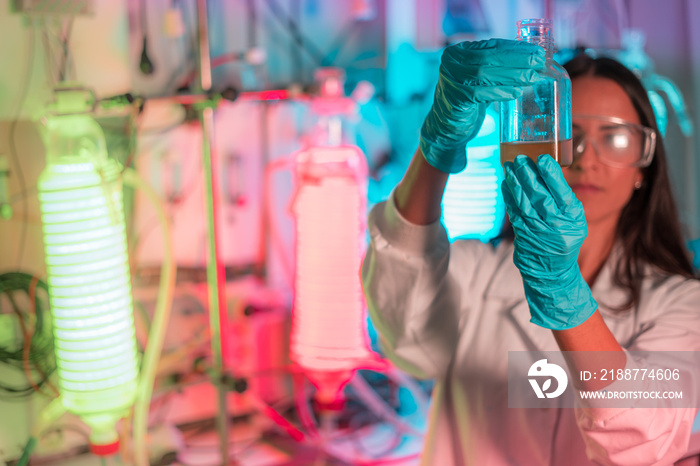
(328, 340)
(82, 212)
(539, 121)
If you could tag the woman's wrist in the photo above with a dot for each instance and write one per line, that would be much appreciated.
(418, 196)
(591, 335)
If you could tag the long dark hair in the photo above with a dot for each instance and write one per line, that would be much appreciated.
(649, 229)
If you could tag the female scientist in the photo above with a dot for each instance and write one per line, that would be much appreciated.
(596, 263)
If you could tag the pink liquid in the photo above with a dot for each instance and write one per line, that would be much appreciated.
(328, 333)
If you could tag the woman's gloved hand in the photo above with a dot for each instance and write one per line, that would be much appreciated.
(550, 226)
(472, 75)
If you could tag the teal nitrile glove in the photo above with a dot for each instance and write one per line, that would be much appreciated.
(472, 75)
(550, 226)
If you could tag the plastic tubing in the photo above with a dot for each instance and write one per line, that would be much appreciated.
(49, 414)
(675, 97)
(161, 316)
(418, 395)
(278, 241)
(319, 441)
(377, 404)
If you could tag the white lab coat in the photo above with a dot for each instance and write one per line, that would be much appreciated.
(452, 312)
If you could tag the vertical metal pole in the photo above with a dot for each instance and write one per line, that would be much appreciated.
(295, 52)
(215, 270)
(401, 20)
(268, 202)
(548, 10)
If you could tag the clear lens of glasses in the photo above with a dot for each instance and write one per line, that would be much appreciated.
(617, 142)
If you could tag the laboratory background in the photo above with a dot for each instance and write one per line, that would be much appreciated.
(194, 178)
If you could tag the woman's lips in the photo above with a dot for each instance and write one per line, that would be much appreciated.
(585, 188)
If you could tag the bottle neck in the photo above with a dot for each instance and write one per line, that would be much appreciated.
(538, 32)
(548, 50)
(547, 45)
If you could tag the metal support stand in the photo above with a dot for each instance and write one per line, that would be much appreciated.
(215, 271)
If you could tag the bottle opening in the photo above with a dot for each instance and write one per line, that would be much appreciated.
(536, 31)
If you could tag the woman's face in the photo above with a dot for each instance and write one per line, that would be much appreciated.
(603, 190)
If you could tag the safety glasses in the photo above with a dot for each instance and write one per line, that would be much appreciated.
(616, 142)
